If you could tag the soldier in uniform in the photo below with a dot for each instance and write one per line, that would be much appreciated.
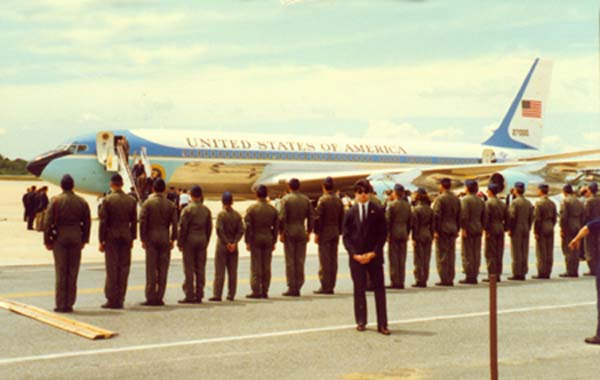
(329, 217)
(472, 218)
(571, 221)
(496, 218)
(30, 207)
(261, 236)
(118, 230)
(422, 235)
(591, 211)
(195, 228)
(398, 218)
(544, 219)
(230, 230)
(158, 232)
(66, 232)
(520, 219)
(446, 211)
(296, 225)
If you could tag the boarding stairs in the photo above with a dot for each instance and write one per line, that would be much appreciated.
(125, 172)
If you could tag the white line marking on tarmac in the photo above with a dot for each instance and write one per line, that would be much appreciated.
(71, 354)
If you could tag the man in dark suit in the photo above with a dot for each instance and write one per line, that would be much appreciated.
(364, 235)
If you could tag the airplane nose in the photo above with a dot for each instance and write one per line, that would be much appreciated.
(36, 167)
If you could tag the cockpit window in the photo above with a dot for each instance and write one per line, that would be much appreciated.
(71, 148)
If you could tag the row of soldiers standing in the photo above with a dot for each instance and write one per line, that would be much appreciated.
(67, 230)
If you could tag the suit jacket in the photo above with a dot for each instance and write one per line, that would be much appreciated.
(369, 236)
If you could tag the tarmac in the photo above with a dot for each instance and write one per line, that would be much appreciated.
(437, 333)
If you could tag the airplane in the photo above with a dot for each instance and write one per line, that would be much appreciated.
(239, 162)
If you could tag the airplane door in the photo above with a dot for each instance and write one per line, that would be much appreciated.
(105, 150)
(488, 156)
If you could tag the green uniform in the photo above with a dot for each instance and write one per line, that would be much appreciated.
(544, 219)
(195, 228)
(158, 228)
(118, 230)
(230, 230)
(571, 221)
(446, 211)
(398, 218)
(422, 235)
(295, 222)
(520, 219)
(591, 210)
(496, 218)
(329, 217)
(261, 235)
(472, 218)
(69, 216)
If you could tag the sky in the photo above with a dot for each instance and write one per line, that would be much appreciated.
(420, 69)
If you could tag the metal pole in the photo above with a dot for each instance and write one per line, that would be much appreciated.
(493, 329)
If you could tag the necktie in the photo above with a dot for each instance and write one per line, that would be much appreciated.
(364, 213)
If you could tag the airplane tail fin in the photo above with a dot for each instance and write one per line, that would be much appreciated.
(522, 126)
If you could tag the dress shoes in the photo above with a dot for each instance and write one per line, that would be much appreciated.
(264, 295)
(488, 280)
(187, 300)
(384, 331)
(468, 281)
(540, 277)
(419, 285)
(517, 278)
(254, 296)
(289, 293)
(563, 275)
(109, 305)
(230, 298)
(395, 287)
(321, 291)
(361, 327)
(444, 284)
(63, 310)
(588, 274)
(215, 299)
(593, 340)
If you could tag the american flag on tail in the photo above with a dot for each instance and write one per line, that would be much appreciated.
(531, 108)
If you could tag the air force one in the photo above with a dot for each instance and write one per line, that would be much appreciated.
(240, 162)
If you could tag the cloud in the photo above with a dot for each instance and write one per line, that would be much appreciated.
(3, 131)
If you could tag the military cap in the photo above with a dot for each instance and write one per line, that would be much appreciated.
(446, 182)
(593, 187)
(494, 188)
(196, 191)
(294, 183)
(67, 182)
(227, 198)
(568, 188)
(471, 185)
(159, 185)
(261, 191)
(116, 179)
(421, 191)
(519, 185)
(398, 188)
(543, 186)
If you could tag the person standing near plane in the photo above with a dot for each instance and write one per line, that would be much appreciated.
(66, 232)
(30, 207)
(422, 236)
(41, 204)
(472, 219)
(496, 218)
(195, 228)
(520, 219)
(364, 236)
(117, 231)
(261, 236)
(230, 229)
(329, 217)
(544, 220)
(296, 225)
(571, 221)
(591, 229)
(398, 218)
(446, 209)
(158, 232)
(591, 211)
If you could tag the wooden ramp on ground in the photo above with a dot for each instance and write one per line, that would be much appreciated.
(79, 328)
